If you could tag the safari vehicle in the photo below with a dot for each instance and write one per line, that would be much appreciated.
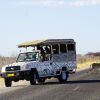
(49, 58)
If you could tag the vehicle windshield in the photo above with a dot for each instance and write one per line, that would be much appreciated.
(29, 56)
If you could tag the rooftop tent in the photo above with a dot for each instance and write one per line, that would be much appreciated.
(44, 42)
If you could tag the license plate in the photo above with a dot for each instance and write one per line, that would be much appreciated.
(10, 75)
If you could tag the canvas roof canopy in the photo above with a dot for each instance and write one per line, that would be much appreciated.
(44, 42)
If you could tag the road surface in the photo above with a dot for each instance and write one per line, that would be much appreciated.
(83, 85)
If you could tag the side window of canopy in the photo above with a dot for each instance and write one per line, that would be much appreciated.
(55, 49)
(71, 47)
(63, 48)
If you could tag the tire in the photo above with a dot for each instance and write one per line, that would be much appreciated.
(8, 82)
(63, 76)
(41, 80)
(33, 77)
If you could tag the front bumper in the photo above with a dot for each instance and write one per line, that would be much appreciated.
(16, 74)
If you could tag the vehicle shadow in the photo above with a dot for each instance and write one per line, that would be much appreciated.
(71, 82)
(67, 82)
(20, 85)
(58, 83)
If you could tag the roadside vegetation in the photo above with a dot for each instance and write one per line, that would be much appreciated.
(6, 60)
(88, 59)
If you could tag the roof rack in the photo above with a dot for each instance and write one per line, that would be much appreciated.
(44, 42)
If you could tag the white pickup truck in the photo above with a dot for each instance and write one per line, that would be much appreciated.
(50, 58)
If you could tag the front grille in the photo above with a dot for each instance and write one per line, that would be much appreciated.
(13, 68)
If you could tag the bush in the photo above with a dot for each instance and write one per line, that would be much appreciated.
(6, 60)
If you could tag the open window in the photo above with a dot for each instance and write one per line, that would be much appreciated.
(71, 47)
(55, 49)
(63, 48)
(47, 49)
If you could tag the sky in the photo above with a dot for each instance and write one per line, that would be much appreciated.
(25, 20)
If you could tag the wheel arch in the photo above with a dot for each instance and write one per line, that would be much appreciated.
(36, 71)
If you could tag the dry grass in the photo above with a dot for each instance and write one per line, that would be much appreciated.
(86, 61)
(6, 60)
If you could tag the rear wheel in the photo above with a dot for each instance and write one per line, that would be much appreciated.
(8, 82)
(63, 76)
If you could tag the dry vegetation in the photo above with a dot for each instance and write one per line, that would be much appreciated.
(89, 58)
(84, 59)
(6, 60)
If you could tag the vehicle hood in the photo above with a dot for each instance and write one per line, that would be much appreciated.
(23, 65)
(17, 64)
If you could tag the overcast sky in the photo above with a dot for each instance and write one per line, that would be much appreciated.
(24, 20)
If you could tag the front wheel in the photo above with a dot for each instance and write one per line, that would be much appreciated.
(63, 76)
(8, 82)
(33, 77)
